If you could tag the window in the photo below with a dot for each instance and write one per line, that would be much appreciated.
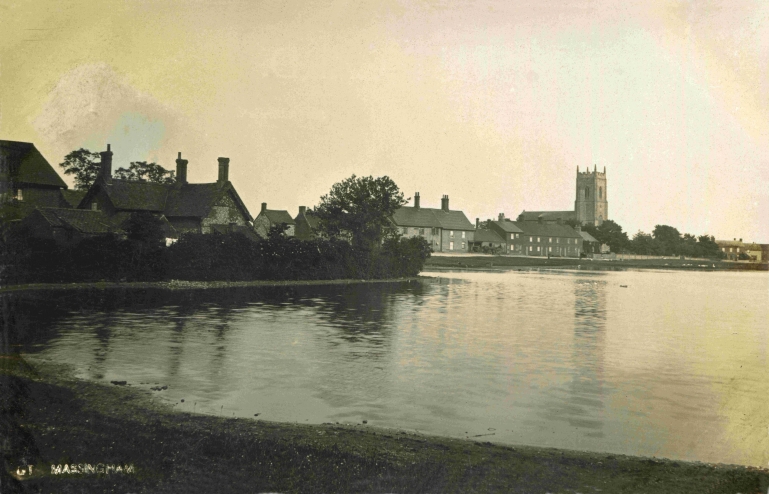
(451, 245)
(19, 195)
(600, 192)
(463, 246)
(550, 239)
(422, 231)
(558, 240)
(463, 235)
(531, 239)
(405, 230)
(538, 250)
(94, 206)
(435, 231)
(550, 249)
(538, 239)
(730, 249)
(587, 192)
(451, 233)
(511, 236)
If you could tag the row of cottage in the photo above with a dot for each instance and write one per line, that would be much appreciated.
(50, 210)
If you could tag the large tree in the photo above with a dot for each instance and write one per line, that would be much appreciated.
(84, 165)
(141, 171)
(360, 207)
(611, 234)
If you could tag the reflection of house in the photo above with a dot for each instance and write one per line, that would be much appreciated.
(187, 207)
(305, 224)
(268, 218)
(445, 230)
(28, 181)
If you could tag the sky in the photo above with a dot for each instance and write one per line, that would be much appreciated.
(494, 103)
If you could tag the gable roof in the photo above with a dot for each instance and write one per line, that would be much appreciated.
(547, 229)
(81, 220)
(587, 237)
(431, 218)
(486, 235)
(73, 197)
(311, 219)
(277, 216)
(27, 166)
(507, 226)
(546, 215)
(173, 200)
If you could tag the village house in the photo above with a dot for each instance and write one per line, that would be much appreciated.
(487, 240)
(67, 226)
(539, 238)
(445, 230)
(198, 208)
(28, 181)
(749, 250)
(589, 243)
(267, 218)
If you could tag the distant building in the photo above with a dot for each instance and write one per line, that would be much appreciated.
(187, 207)
(733, 248)
(28, 181)
(487, 240)
(68, 225)
(591, 206)
(267, 218)
(306, 224)
(445, 230)
(589, 243)
(539, 238)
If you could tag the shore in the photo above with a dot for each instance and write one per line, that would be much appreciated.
(489, 262)
(57, 420)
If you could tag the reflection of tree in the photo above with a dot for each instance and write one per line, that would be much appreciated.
(585, 407)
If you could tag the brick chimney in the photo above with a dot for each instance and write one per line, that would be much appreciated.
(264, 207)
(106, 165)
(224, 170)
(416, 200)
(501, 216)
(302, 209)
(181, 170)
(445, 203)
(477, 223)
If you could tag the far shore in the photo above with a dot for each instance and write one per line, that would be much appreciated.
(60, 420)
(498, 262)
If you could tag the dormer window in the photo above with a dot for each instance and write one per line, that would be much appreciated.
(94, 206)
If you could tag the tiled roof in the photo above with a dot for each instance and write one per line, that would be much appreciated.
(278, 216)
(546, 215)
(485, 235)
(431, 218)
(136, 196)
(547, 229)
(27, 165)
(508, 226)
(587, 237)
(73, 197)
(82, 220)
(312, 220)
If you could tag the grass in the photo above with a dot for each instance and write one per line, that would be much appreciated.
(52, 418)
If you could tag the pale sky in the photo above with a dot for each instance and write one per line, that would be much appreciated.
(494, 103)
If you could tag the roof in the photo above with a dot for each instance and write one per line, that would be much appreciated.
(547, 229)
(173, 200)
(507, 226)
(546, 215)
(431, 218)
(312, 220)
(73, 197)
(28, 166)
(277, 216)
(587, 237)
(486, 235)
(82, 220)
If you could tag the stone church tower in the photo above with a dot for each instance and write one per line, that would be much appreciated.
(591, 205)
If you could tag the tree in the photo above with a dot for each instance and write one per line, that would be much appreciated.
(669, 239)
(609, 233)
(643, 244)
(141, 171)
(84, 165)
(361, 208)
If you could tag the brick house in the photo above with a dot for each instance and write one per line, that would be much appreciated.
(187, 207)
(28, 181)
(487, 240)
(267, 218)
(445, 230)
(510, 232)
(539, 238)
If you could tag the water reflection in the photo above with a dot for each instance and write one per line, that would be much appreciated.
(545, 358)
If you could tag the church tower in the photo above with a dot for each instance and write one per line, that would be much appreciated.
(591, 205)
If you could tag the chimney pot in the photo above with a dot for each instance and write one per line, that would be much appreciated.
(416, 200)
(477, 223)
(224, 170)
(264, 207)
(105, 169)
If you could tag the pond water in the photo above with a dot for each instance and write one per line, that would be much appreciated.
(653, 363)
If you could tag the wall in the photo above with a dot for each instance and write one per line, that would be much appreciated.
(224, 212)
(433, 240)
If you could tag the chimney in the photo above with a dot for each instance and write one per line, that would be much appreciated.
(302, 209)
(577, 169)
(578, 228)
(740, 240)
(106, 165)
(264, 207)
(477, 223)
(224, 170)
(595, 168)
(604, 169)
(416, 200)
(501, 216)
(181, 170)
(445, 203)
(539, 218)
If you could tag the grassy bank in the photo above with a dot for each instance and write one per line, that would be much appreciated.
(58, 420)
(505, 262)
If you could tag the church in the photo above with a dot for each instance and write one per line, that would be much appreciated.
(591, 206)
